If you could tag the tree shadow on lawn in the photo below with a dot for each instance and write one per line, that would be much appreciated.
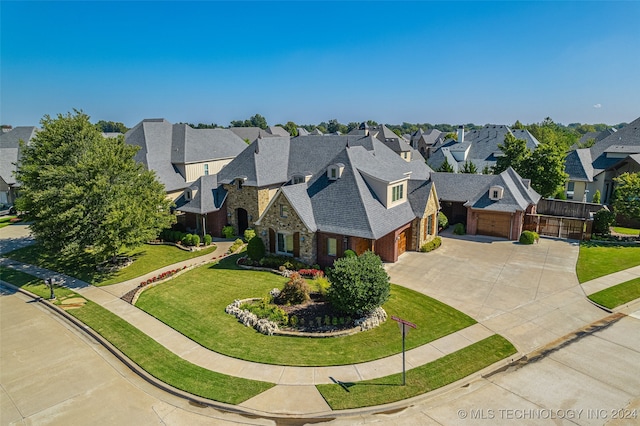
(81, 265)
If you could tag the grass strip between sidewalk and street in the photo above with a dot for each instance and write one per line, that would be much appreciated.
(419, 380)
(597, 260)
(617, 295)
(146, 352)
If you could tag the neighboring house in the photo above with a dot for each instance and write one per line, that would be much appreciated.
(594, 169)
(423, 141)
(250, 134)
(10, 153)
(595, 136)
(180, 154)
(397, 144)
(494, 205)
(313, 197)
(277, 131)
(479, 147)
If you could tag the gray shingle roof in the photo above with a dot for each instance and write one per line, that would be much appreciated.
(460, 187)
(624, 141)
(348, 205)
(191, 145)
(301, 203)
(419, 192)
(10, 152)
(250, 134)
(484, 144)
(517, 196)
(278, 131)
(154, 137)
(578, 165)
(209, 196)
(262, 163)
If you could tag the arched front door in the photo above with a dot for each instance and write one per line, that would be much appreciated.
(243, 220)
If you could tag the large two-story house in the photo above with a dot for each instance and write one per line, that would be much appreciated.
(314, 197)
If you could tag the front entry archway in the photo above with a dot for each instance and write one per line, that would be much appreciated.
(243, 220)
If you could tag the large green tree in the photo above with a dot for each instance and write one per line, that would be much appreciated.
(626, 198)
(515, 153)
(545, 168)
(83, 191)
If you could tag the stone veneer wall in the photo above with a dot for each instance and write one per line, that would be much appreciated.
(253, 199)
(291, 224)
(419, 225)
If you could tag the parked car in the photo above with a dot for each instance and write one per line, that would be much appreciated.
(6, 209)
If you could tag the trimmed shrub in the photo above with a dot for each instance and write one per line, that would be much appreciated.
(458, 229)
(443, 221)
(249, 234)
(358, 284)
(255, 249)
(295, 291)
(596, 197)
(602, 221)
(187, 240)
(529, 237)
(207, 240)
(431, 245)
(236, 245)
(349, 253)
(322, 284)
(229, 232)
(263, 309)
(195, 240)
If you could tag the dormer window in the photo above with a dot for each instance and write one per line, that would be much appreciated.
(206, 170)
(496, 192)
(239, 184)
(334, 171)
(187, 195)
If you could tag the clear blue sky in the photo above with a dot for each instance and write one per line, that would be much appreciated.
(437, 62)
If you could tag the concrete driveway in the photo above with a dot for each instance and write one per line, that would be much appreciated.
(527, 293)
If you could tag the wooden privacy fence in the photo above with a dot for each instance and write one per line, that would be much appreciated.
(567, 208)
(560, 227)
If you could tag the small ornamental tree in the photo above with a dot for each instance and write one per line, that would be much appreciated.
(626, 198)
(602, 221)
(255, 249)
(358, 284)
(596, 197)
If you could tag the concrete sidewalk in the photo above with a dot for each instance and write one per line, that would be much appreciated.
(610, 280)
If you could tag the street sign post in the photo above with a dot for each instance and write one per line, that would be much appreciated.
(404, 329)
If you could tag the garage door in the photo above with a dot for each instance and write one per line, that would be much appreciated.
(402, 241)
(495, 225)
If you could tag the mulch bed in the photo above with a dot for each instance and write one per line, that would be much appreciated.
(316, 308)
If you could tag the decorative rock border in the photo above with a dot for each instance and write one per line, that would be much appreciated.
(270, 328)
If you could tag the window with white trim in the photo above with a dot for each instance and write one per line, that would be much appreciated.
(206, 170)
(397, 193)
(332, 247)
(285, 244)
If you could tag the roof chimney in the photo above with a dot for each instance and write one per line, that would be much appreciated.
(460, 134)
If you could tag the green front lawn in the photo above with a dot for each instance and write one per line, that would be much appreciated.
(618, 294)
(147, 258)
(626, 231)
(597, 260)
(194, 304)
(419, 380)
(146, 352)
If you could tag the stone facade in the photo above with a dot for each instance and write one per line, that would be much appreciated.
(291, 224)
(253, 199)
(420, 226)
